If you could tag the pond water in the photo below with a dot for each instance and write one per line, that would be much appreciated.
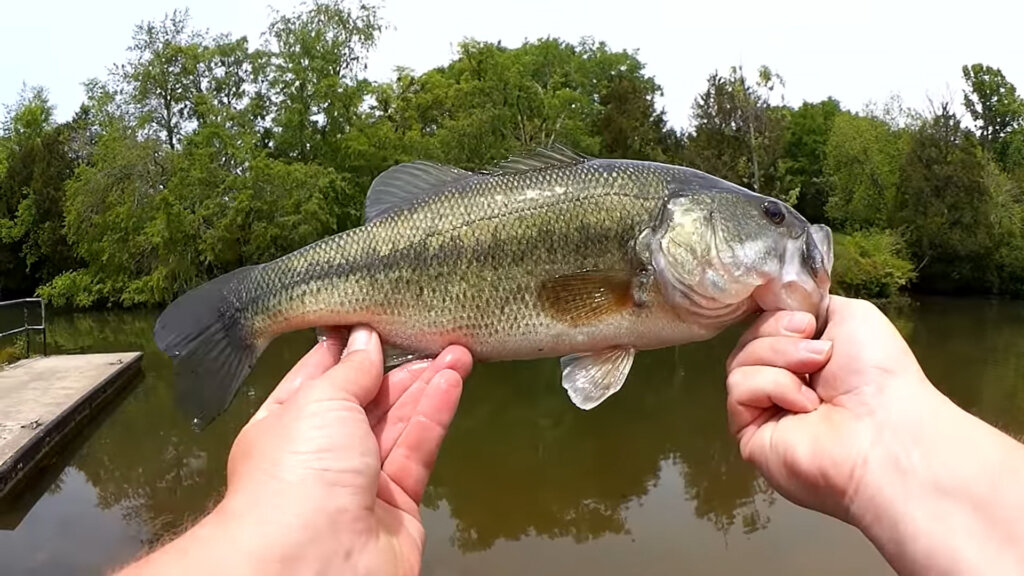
(649, 483)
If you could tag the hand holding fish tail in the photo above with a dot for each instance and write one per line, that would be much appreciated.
(328, 475)
(850, 425)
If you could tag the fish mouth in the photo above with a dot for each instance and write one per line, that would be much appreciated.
(805, 278)
(819, 258)
(817, 254)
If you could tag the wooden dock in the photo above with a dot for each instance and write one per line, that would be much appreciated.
(43, 401)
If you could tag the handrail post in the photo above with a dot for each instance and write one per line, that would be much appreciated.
(28, 335)
(26, 326)
(42, 307)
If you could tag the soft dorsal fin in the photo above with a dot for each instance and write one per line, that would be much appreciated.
(403, 184)
(555, 155)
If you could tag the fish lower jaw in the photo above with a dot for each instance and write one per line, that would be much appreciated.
(793, 296)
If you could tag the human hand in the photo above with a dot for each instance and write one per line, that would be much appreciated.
(817, 438)
(328, 475)
(336, 444)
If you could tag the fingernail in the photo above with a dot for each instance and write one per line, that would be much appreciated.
(359, 339)
(796, 323)
(816, 347)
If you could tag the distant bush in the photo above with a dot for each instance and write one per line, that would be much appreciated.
(871, 264)
(12, 349)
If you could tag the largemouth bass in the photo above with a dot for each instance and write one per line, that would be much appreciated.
(549, 254)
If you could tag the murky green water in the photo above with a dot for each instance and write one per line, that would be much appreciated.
(649, 483)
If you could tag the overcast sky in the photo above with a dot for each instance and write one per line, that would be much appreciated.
(855, 51)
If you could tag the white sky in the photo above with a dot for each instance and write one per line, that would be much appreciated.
(855, 51)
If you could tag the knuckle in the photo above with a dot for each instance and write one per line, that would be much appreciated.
(860, 306)
(730, 360)
(742, 381)
(734, 380)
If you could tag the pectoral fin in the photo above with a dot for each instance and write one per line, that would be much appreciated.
(590, 378)
(583, 297)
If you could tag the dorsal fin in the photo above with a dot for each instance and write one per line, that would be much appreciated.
(555, 155)
(403, 184)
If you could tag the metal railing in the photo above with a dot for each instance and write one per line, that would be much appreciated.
(26, 327)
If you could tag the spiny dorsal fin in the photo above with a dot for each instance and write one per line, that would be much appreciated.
(555, 155)
(583, 297)
(401, 185)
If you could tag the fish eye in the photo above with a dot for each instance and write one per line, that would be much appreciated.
(774, 212)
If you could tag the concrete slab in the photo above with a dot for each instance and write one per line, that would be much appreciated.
(44, 400)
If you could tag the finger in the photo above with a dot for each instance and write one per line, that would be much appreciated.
(412, 459)
(389, 415)
(312, 365)
(389, 425)
(403, 387)
(776, 323)
(753, 389)
(755, 439)
(795, 354)
(358, 374)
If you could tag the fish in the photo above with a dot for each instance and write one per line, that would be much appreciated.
(549, 253)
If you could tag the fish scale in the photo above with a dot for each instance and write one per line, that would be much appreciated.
(549, 254)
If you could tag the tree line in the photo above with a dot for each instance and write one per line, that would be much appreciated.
(202, 152)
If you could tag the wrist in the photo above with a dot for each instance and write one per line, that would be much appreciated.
(242, 537)
(282, 537)
(939, 494)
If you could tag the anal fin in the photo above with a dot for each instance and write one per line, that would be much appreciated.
(591, 377)
(394, 355)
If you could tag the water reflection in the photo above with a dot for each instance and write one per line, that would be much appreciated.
(974, 351)
(521, 462)
(145, 460)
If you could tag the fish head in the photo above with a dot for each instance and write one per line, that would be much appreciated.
(716, 245)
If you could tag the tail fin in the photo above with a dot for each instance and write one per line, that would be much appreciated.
(202, 332)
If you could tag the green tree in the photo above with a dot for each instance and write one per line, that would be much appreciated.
(159, 79)
(171, 196)
(38, 161)
(944, 205)
(862, 164)
(630, 124)
(738, 133)
(805, 148)
(315, 57)
(997, 110)
(1007, 199)
(492, 101)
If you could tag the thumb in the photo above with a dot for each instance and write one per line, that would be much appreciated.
(358, 374)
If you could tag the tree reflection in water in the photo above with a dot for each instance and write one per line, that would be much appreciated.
(521, 460)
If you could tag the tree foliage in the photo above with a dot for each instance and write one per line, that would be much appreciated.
(871, 264)
(37, 161)
(804, 152)
(862, 164)
(998, 111)
(944, 204)
(203, 152)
